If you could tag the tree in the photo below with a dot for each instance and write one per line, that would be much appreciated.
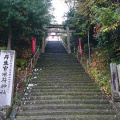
(21, 18)
(103, 16)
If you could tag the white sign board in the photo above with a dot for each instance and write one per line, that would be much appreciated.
(7, 60)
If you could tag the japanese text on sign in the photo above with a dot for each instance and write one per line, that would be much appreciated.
(7, 58)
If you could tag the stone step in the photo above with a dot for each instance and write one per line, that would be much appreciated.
(60, 87)
(60, 76)
(61, 97)
(66, 101)
(59, 71)
(63, 90)
(43, 59)
(66, 112)
(58, 79)
(66, 93)
(69, 117)
(64, 84)
(60, 60)
(66, 106)
(77, 78)
(61, 81)
(47, 78)
(57, 55)
(79, 73)
(63, 78)
(61, 64)
(60, 67)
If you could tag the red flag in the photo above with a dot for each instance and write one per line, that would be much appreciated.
(33, 44)
(80, 46)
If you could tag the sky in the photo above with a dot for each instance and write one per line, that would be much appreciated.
(59, 9)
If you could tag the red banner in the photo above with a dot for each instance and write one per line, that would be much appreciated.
(80, 46)
(33, 44)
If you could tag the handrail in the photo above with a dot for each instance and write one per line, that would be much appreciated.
(64, 44)
(23, 78)
(80, 57)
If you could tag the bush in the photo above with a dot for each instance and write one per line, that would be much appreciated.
(21, 63)
(3, 48)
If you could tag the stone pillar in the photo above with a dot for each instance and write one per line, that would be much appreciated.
(114, 82)
(68, 40)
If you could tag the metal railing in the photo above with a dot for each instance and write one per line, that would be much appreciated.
(81, 57)
(64, 44)
(24, 77)
(77, 54)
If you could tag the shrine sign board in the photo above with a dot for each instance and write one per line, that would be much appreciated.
(7, 65)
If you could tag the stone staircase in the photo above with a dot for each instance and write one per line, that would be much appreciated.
(61, 90)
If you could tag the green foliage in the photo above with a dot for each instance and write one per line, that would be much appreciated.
(3, 48)
(21, 63)
(103, 13)
(64, 38)
(26, 18)
(99, 69)
(16, 98)
(116, 60)
(102, 17)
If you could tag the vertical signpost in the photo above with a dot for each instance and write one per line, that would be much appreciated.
(7, 65)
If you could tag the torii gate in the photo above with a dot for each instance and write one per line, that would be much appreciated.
(58, 31)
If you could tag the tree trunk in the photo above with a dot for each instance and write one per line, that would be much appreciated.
(9, 37)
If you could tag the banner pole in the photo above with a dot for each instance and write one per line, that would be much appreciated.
(89, 46)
